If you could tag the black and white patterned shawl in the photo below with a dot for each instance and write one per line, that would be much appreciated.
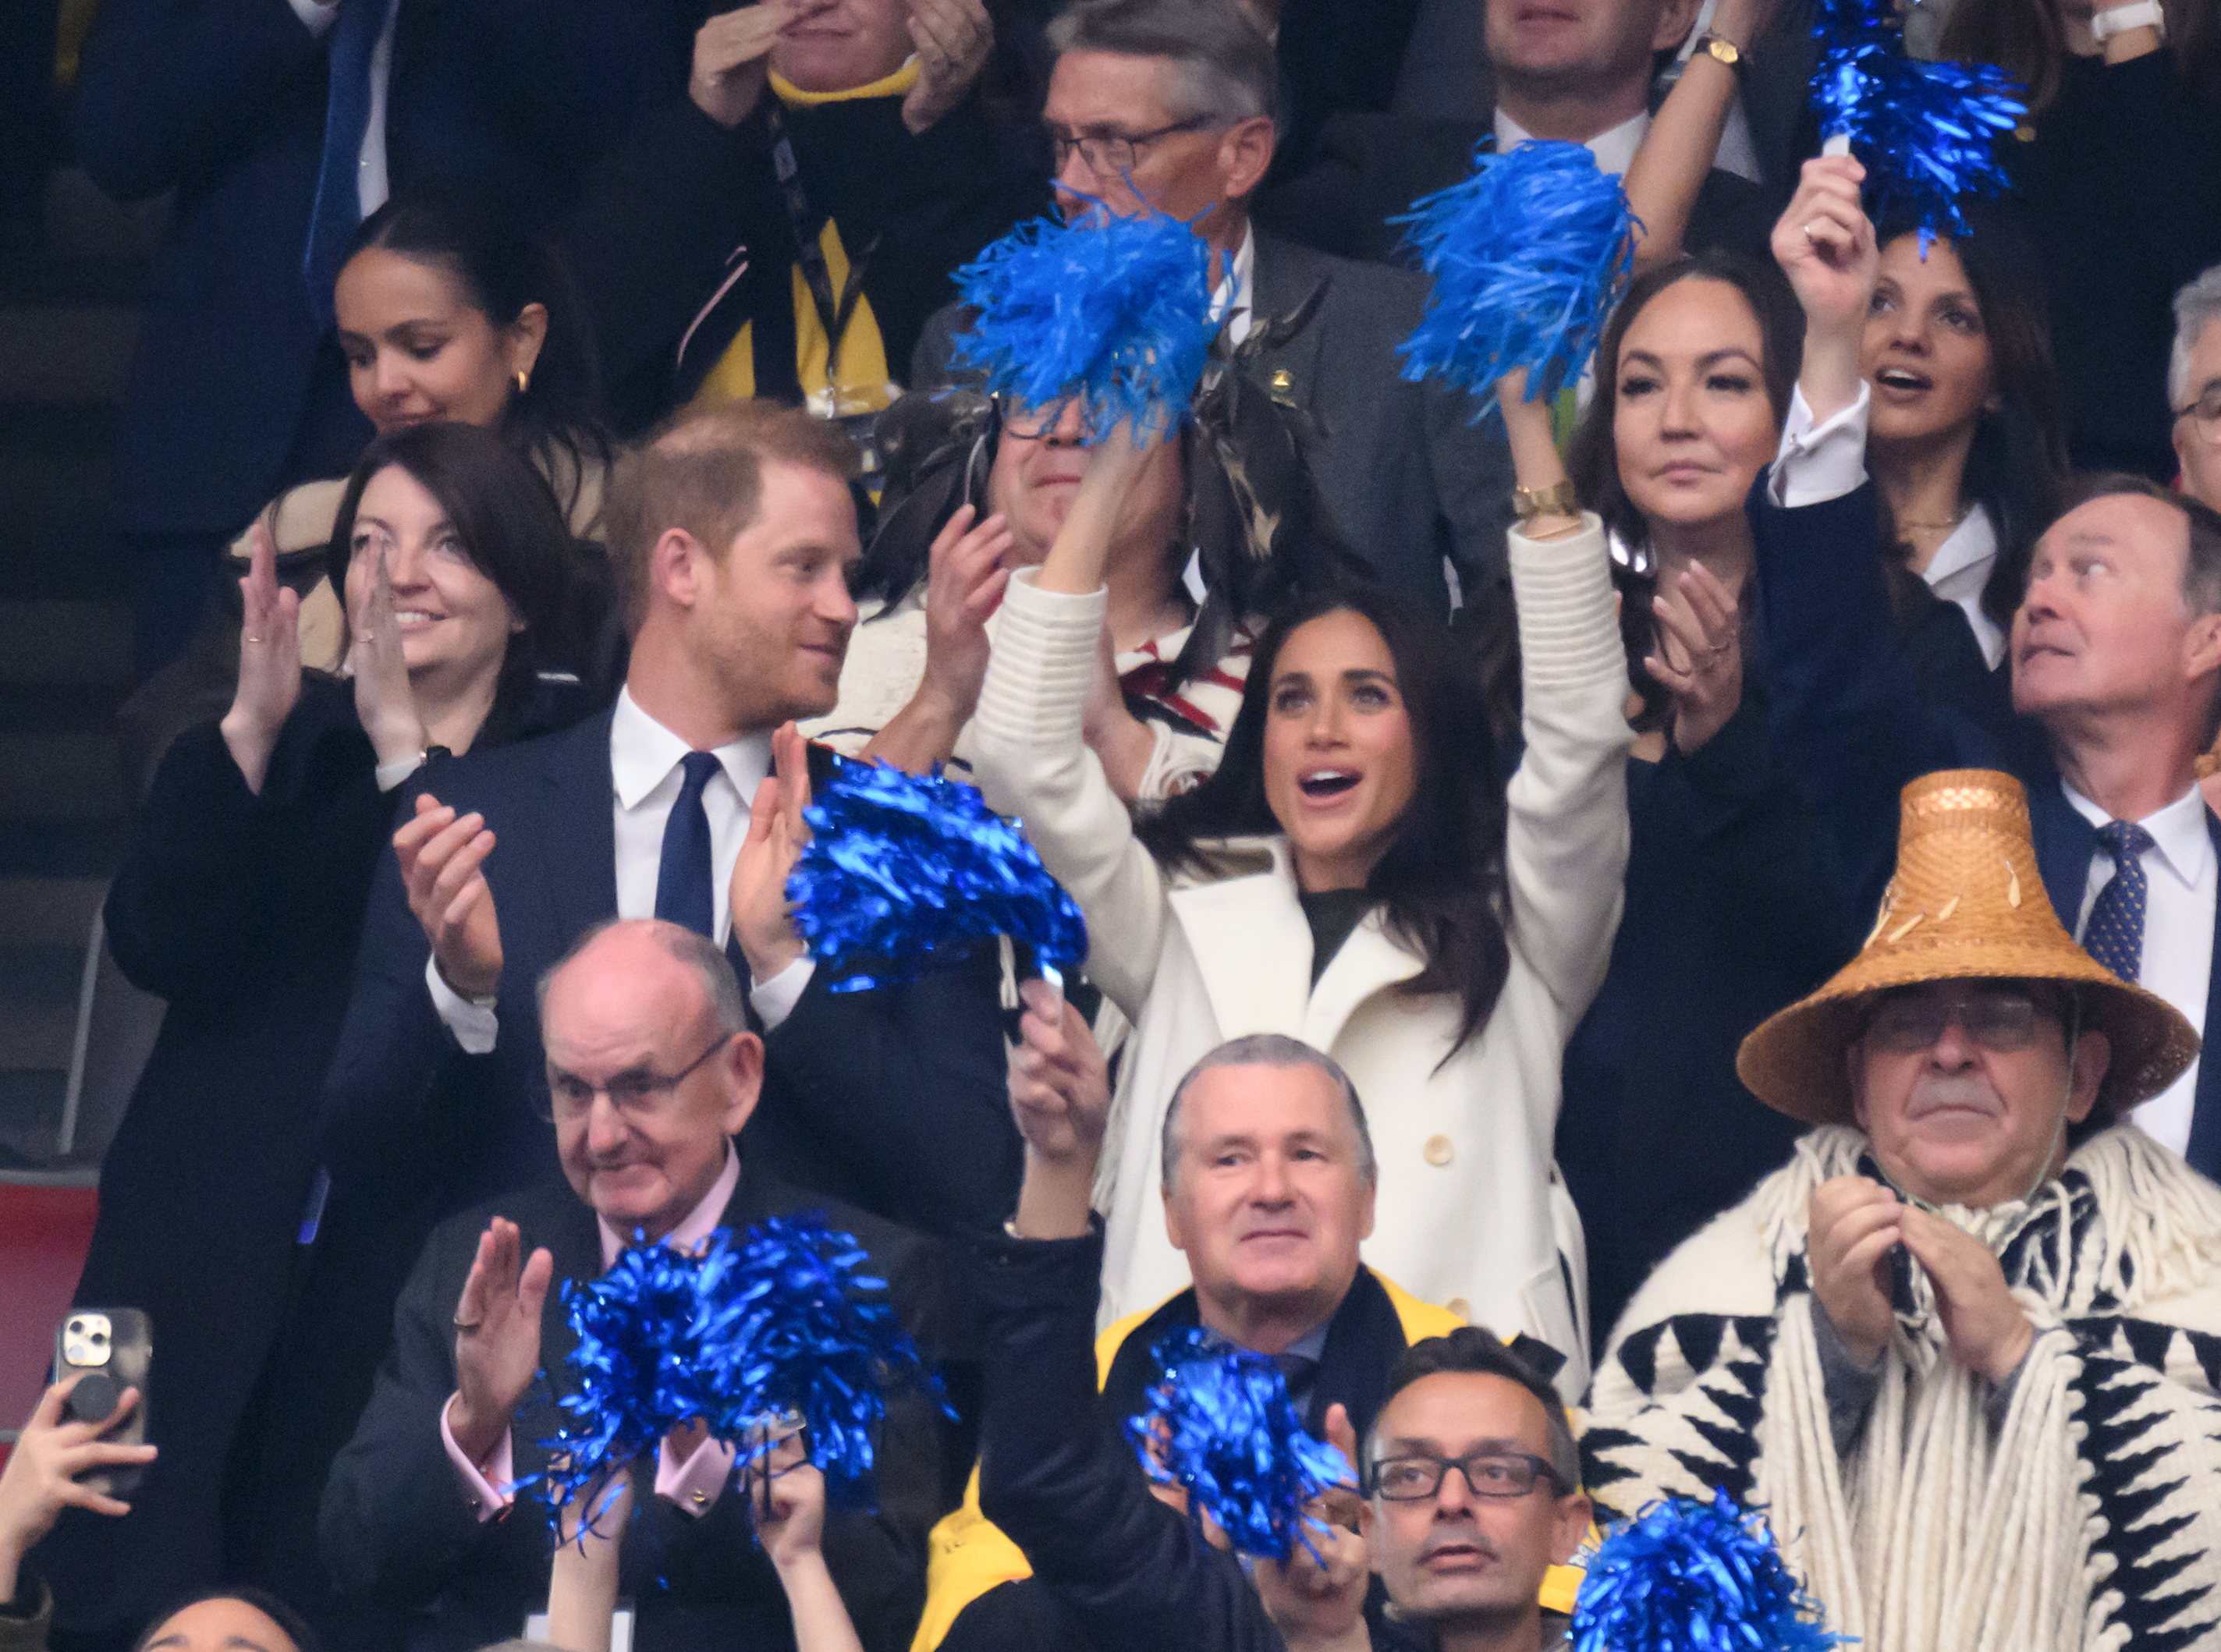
(2090, 1517)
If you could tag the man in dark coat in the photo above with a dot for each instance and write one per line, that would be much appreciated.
(820, 180)
(651, 1073)
(1166, 105)
(250, 113)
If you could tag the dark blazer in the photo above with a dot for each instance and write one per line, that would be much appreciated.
(1851, 717)
(895, 1100)
(1408, 475)
(684, 237)
(1369, 167)
(233, 394)
(395, 1521)
(1363, 1340)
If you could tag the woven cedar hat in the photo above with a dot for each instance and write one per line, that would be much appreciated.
(1966, 902)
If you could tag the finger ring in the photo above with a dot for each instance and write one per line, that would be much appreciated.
(254, 639)
(1808, 233)
(467, 1324)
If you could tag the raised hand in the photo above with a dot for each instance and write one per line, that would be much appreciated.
(41, 1478)
(1698, 658)
(1061, 1097)
(582, 1584)
(1318, 1604)
(442, 866)
(496, 1337)
(1988, 1333)
(269, 661)
(383, 702)
(965, 582)
(1852, 1222)
(731, 60)
(1825, 245)
(953, 38)
(1074, 563)
(776, 835)
(787, 1498)
(1121, 742)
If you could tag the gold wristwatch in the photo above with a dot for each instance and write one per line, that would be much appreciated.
(1723, 50)
(1556, 500)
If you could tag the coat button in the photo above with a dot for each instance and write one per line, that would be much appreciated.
(1461, 1308)
(1438, 1150)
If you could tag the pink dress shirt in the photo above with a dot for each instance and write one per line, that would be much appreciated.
(693, 1485)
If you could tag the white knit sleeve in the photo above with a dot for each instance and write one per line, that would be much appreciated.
(1031, 761)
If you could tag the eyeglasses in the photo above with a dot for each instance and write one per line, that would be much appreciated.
(1035, 423)
(636, 1095)
(2205, 414)
(1491, 1473)
(1112, 154)
(1999, 1018)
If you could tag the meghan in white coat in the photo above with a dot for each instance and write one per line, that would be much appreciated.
(1470, 1214)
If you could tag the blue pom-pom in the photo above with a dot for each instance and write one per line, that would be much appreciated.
(1113, 312)
(1526, 256)
(1686, 1576)
(1926, 132)
(810, 1337)
(782, 1327)
(1220, 1423)
(906, 871)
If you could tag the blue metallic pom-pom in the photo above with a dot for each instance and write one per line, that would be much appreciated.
(1926, 132)
(1686, 1576)
(1114, 312)
(905, 871)
(1527, 255)
(1220, 1423)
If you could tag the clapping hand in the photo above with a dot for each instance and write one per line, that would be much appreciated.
(1698, 656)
(965, 581)
(269, 661)
(383, 702)
(953, 38)
(442, 867)
(731, 60)
(776, 835)
(496, 1337)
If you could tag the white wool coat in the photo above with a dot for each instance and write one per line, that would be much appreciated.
(1471, 1213)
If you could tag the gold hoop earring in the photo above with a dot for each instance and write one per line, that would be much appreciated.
(523, 381)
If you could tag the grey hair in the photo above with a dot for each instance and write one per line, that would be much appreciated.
(1222, 67)
(1275, 1050)
(2196, 308)
(721, 988)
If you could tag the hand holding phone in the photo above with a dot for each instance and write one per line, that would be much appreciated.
(102, 1353)
(46, 1471)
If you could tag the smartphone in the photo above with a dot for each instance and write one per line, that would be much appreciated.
(108, 1349)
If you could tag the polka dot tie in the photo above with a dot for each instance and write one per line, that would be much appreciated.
(2115, 933)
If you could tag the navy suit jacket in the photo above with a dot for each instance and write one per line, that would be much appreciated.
(1848, 718)
(895, 1100)
(233, 394)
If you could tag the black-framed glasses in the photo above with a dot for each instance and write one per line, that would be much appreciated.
(569, 1098)
(1487, 1474)
(2205, 413)
(1999, 1018)
(1111, 155)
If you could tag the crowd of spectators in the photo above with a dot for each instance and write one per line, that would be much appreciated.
(549, 456)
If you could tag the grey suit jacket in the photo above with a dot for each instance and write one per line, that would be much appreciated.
(1409, 478)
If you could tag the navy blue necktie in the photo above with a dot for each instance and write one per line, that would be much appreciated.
(682, 879)
(2115, 933)
(338, 210)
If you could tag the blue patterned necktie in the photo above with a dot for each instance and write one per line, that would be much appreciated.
(338, 210)
(682, 880)
(2115, 933)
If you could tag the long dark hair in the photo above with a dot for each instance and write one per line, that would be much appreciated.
(1441, 880)
(1593, 460)
(2019, 452)
(470, 231)
(508, 523)
(2026, 39)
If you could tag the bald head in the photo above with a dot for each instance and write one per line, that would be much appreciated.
(651, 1069)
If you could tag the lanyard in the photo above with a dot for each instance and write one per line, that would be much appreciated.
(834, 314)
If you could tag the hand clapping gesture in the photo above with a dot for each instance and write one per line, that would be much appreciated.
(269, 661)
(1826, 246)
(496, 1337)
(776, 835)
(442, 861)
(731, 60)
(953, 38)
(1698, 654)
(383, 702)
(965, 580)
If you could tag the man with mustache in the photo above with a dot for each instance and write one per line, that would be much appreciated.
(1269, 1190)
(1964, 1350)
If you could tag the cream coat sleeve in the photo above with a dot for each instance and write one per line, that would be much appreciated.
(1566, 842)
(1031, 761)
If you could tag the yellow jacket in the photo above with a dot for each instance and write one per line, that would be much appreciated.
(967, 1555)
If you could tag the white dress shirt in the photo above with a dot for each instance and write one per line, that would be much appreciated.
(645, 760)
(2182, 874)
(371, 183)
(1234, 299)
(1614, 149)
